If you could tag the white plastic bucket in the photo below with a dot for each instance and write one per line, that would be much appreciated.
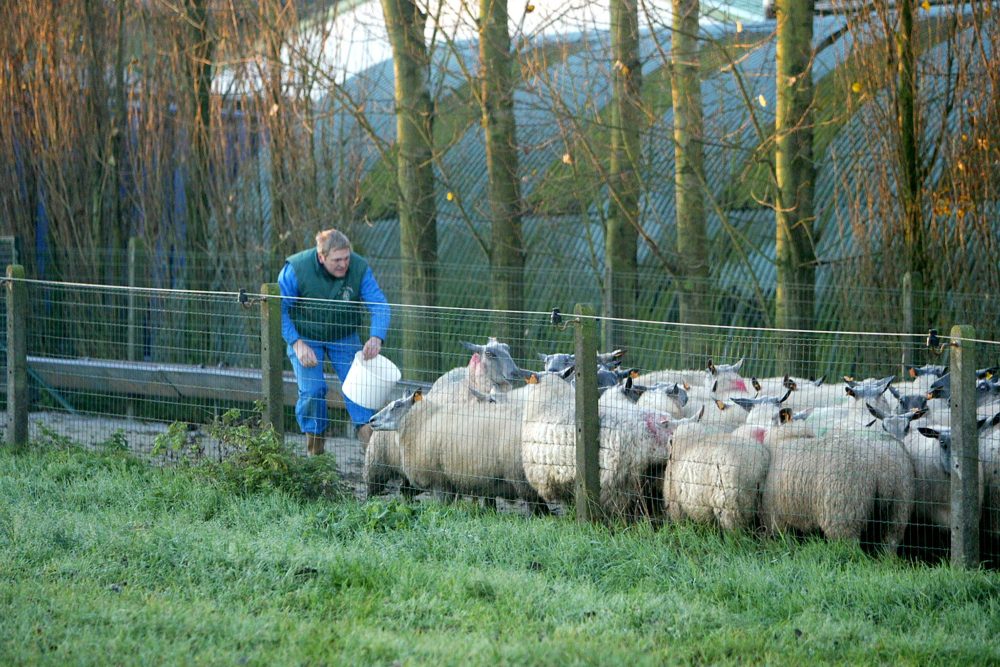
(370, 383)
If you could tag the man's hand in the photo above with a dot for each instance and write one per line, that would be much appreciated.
(371, 349)
(304, 353)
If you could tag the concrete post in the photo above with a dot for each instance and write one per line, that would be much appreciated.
(17, 356)
(588, 481)
(964, 450)
(272, 357)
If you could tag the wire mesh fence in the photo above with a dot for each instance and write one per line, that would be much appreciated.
(694, 423)
(736, 294)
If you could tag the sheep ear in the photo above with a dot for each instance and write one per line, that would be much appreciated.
(917, 413)
(722, 405)
(567, 373)
(875, 412)
(785, 416)
(911, 371)
(785, 397)
(532, 378)
(850, 392)
(701, 413)
(618, 354)
(711, 367)
(715, 386)
(418, 395)
(980, 423)
(849, 380)
(687, 387)
(755, 383)
(634, 373)
(928, 432)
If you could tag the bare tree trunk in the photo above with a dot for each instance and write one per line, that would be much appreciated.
(507, 249)
(794, 169)
(911, 178)
(102, 234)
(120, 132)
(197, 45)
(622, 234)
(415, 180)
(689, 177)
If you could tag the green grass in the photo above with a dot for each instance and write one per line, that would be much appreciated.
(104, 559)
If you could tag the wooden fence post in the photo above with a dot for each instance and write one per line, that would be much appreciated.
(964, 449)
(588, 480)
(272, 357)
(132, 344)
(17, 356)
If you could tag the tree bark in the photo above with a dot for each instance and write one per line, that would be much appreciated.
(507, 254)
(415, 179)
(911, 178)
(794, 168)
(622, 233)
(198, 50)
(689, 177)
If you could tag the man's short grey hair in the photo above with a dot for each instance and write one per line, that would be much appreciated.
(329, 240)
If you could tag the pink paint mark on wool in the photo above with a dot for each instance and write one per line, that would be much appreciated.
(475, 363)
(739, 385)
(657, 427)
(758, 434)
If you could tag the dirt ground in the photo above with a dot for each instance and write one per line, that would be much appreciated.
(91, 430)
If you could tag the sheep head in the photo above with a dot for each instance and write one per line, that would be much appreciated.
(390, 417)
(492, 366)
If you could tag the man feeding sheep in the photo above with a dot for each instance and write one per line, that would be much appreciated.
(325, 289)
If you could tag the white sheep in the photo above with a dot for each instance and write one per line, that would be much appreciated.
(632, 441)
(989, 457)
(467, 448)
(841, 484)
(490, 371)
(932, 460)
(719, 381)
(715, 478)
(668, 397)
(383, 457)
(805, 394)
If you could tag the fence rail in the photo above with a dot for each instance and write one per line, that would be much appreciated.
(203, 353)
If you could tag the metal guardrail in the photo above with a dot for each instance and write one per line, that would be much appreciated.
(175, 380)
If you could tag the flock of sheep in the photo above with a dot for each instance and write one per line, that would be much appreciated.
(859, 461)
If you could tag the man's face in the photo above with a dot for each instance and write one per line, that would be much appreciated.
(336, 262)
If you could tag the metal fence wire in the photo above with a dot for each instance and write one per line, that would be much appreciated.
(696, 423)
